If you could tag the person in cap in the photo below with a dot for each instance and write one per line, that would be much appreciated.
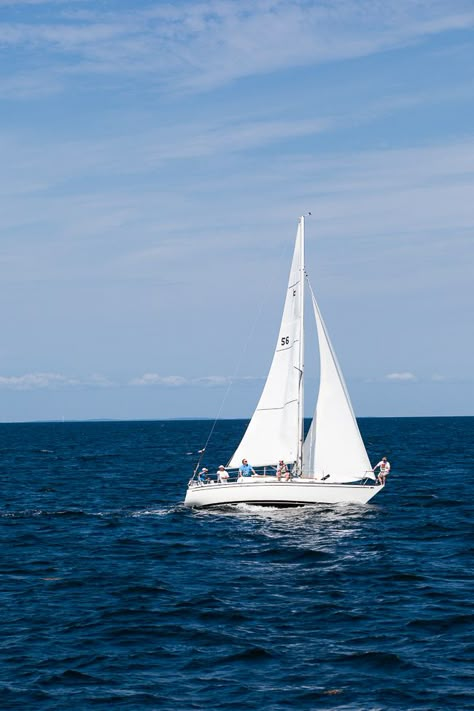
(282, 471)
(203, 476)
(384, 470)
(222, 475)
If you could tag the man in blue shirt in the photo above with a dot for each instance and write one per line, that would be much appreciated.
(245, 469)
(203, 476)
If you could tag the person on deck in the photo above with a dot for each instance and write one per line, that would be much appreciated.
(222, 475)
(384, 470)
(282, 471)
(203, 476)
(245, 469)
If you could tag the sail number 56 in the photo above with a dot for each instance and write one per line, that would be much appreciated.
(285, 341)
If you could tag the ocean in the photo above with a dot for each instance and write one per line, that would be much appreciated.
(114, 596)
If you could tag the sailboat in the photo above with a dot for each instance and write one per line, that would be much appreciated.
(331, 464)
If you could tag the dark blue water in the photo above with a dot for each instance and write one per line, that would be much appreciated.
(114, 596)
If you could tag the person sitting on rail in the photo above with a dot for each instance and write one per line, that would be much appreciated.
(282, 471)
(384, 470)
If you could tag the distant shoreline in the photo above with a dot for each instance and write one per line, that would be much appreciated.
(211, 419)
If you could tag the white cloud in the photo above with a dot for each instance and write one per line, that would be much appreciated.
(55, 381)
(155, 379)
(212, 380)
(33, 381)
(96, 380)
(404, 376)
(51, 381)
(151, 379)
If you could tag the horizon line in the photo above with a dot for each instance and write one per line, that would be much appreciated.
(210, 419)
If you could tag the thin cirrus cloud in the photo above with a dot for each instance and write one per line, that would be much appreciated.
(54, 162)
(197, 46)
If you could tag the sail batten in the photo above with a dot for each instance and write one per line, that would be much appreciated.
(267, 409)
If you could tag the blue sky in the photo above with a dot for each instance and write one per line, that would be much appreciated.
(154, 160)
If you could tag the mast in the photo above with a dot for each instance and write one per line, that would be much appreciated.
(301, 356)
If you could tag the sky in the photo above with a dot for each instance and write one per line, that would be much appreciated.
(155, 158)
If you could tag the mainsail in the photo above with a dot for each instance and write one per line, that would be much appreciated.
(333, 444)
(274, 432)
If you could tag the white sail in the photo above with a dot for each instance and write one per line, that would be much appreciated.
(274, 431)
(333, 444)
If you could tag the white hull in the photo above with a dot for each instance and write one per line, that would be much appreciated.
(274, 493)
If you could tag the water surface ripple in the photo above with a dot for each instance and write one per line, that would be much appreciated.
(115, 596)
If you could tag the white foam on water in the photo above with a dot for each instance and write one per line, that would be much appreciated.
(162, 511)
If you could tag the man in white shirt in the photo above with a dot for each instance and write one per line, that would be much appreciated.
(222, 475)
(384, 470)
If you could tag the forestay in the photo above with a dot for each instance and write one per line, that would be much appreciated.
(274, 430)
(333, 444)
